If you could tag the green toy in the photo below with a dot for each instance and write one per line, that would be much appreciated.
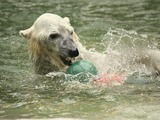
(82, 66)
(81, 71)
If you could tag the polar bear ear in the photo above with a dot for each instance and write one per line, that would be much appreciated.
(66, 19)
(26, 33)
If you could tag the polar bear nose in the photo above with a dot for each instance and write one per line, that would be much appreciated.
(73, 53)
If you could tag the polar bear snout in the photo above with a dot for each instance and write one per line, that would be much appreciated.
(73, 53)
(68, 48)
(68, 51)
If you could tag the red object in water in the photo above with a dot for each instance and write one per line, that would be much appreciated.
(109, 79)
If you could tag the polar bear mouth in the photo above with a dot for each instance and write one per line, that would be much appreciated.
(67, 60)
(69, 56)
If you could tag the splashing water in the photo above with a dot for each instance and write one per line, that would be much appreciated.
(123, 47)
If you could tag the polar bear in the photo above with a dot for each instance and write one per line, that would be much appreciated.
(53, 46)
(51, 43)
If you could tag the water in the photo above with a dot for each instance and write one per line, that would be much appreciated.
(26, 95)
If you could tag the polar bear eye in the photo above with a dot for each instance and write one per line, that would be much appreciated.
(53, 36)
(71, 32)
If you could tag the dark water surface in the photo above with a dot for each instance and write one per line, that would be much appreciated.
(26, 95)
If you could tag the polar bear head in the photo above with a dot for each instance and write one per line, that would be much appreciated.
(51, 43)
